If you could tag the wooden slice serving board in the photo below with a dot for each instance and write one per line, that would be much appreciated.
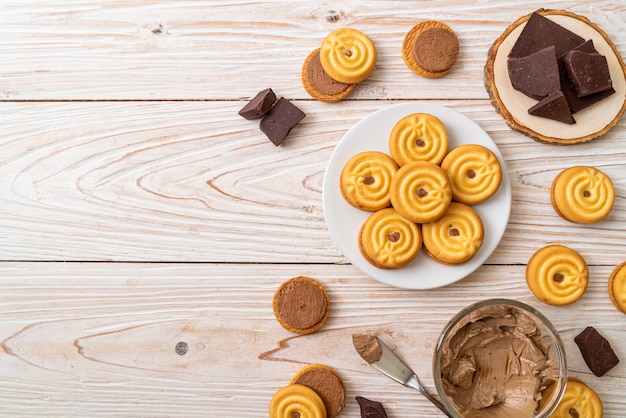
(592, 122)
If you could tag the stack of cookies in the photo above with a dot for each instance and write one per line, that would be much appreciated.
(421, 194)
(345, 58)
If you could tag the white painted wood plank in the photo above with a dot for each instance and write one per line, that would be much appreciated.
(193, 181)
(82, 339)
(210, 49)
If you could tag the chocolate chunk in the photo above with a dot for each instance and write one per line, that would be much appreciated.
(536, 75)
(596, 351)
(540, 32)
(553, 107)
(588, 71)
(371, 409)
(279, 121)
(259, 106)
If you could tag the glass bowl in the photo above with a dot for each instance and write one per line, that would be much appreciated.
(484, 331)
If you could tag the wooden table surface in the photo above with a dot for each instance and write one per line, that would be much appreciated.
(138, 210)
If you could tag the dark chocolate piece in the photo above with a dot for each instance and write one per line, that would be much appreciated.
(371, 409)
(553, 107)
(588, 71)
(259, 106)
(541, 32)
(281, 118)
(536, 75)
(596, 351)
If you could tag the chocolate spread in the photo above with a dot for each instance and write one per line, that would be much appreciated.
(495, 364)
(368, 347)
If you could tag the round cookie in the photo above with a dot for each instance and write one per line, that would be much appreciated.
(430, 49)
(617, 287)
(326, 383)
(420, 191)
(418, 137)
(557, 275)
(319, 84)
(582, 194)
(348, 55)
(365, 180)
(474, 171)
(301, 305)
(297, 401)
(455, 237)
(578, 400)
(388, 240)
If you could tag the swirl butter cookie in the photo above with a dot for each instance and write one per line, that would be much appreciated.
(617, 287)
(475, 173)
(578, 400)
(418, 137)
(430, 49)
(582, 194)
(455, 237)
(297, 400)
(301, 305)
(387, 240)
(420, 191)
(365, 180)
(319, 84)
(326, 383)
(348, 55)
(557, 275)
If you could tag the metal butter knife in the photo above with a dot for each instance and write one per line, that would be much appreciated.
(392, 366)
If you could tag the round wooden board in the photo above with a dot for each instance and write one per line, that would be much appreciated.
(592, 122)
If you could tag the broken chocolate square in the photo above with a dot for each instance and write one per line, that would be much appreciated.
(259, 105)
(279, 121)
(540, 32)
(371, 409)
(553, 106)
(536, 75)
(589, 72)
(596, 351)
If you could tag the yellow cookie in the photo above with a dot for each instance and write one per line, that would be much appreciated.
(388, 240)
(418, 137)
(318, 83)
(582, 194)
(474, 171)
(420, 191)
(430, 49)
(557, 275)
(297, 400)
(326, 383)
(579, 400)
(365, 180)
(455, 237)
(617, 287)
(348, 55)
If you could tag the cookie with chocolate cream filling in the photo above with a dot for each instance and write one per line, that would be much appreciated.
(430, 49)
(301, 305)
(319, 84)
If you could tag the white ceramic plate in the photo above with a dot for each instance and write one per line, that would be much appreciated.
(344, 221)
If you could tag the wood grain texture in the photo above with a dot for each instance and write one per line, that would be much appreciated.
(99, 339)
(138, 210)
(164, 50)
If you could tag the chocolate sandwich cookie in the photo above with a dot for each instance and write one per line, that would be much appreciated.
(319, 84)
(326, 383)
(430, 49)
(301, 305)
